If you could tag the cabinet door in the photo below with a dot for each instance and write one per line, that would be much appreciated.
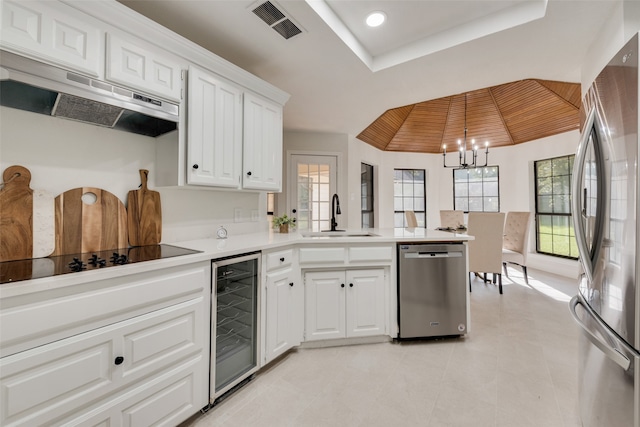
(214, 131)
(262, 158)
(165, 399)
(58, 34)
(325, 305)
(138, 68)
(365, 302)
(284, 303)
(58, 379)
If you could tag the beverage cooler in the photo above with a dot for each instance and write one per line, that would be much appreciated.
(234, 322)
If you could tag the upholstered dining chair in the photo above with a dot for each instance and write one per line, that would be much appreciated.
(516, 237)
(485, 251)
(410, 216)
(451, 219)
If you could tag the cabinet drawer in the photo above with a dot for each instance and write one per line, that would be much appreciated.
(322, 255)
(368, 253)
(91, 305)
(279, 259)
(165, 400)
(46, 382)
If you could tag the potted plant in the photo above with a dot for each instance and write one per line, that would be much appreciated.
(283, 222)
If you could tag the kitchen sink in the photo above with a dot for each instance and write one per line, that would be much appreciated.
(338, 233)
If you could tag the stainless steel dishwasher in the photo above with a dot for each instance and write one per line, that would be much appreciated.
(432, 290)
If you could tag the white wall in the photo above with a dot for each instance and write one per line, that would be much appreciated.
(62, 154)
(515, 165)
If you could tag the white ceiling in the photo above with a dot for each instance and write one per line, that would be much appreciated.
(441, 48)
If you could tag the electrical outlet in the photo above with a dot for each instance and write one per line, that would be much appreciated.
(254, 215)
(237, 214)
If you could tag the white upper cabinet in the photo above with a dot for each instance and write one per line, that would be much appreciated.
(262, 156)
(54, 33)
(136, 67)
(214, 131)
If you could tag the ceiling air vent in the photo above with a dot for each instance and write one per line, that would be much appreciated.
(276, 19)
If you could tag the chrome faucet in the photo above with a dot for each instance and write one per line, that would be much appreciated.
(335, 202)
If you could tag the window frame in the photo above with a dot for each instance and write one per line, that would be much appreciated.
(453, 177)
(364, 200)
(424, 197)
(538, 214)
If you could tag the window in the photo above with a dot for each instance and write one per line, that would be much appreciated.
(409, 195)
(271, 203)
(554, 225)
(366, 195)
(312, 184)
(476, 190)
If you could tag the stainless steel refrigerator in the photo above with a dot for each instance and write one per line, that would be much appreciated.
(605, 206)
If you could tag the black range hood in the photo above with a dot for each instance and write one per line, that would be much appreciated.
(33, 86)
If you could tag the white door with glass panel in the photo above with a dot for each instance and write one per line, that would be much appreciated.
(312, 183)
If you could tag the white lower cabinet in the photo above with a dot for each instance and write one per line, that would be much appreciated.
(285, 299)
(123, 351)
(283, 303)
(48, 383)
(344, 304)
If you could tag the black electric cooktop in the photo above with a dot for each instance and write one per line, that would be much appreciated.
(36, 268)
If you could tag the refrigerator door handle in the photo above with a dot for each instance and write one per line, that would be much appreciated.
(588, 253)
(611, 352)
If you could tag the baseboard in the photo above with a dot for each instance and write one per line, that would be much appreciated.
(560, 266)
(346, 341)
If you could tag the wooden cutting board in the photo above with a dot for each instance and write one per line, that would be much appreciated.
(26, 217)
(16, 214)
(88, 220)
(144, 214)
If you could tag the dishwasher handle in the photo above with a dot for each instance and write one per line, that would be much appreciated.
(433, 254)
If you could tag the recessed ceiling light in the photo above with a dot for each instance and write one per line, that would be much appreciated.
(375, 19)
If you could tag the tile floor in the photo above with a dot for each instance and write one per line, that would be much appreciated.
(517, 367)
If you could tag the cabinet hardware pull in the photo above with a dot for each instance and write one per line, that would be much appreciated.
(291, 284)
(282, 259)
(195, 166)
(351, 285)
(249, 173)
(119, 360)
(294, 211)
(342, 285)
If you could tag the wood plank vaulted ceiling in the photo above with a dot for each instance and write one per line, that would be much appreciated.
(503, 115)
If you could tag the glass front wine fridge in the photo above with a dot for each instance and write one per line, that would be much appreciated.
(234, 322)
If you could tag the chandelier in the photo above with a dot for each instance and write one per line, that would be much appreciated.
(462, 149)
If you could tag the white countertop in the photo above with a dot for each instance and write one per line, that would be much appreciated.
(233, 245)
